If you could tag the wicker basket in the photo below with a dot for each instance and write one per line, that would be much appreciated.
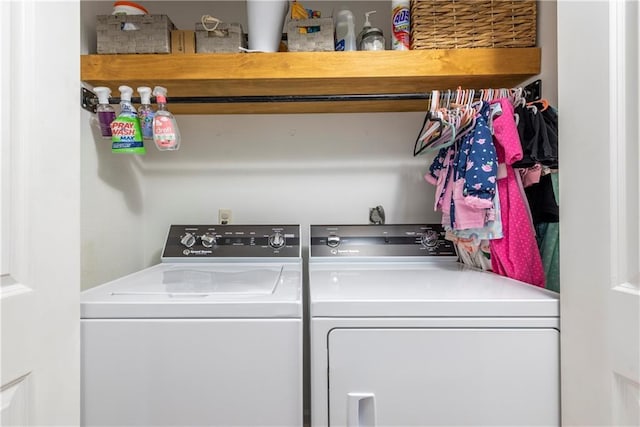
(451, 24)
(148, 33)
(230, 38)
(318, 41)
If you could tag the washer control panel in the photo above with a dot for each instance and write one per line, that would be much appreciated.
(379, 240)
(232, 241)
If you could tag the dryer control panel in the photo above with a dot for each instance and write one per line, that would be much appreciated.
(231, 241)
(379, 240)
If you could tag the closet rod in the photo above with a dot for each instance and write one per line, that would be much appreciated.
(89, 100)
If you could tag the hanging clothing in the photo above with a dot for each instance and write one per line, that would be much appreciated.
(538, 128)
(542, 201)
(538, 132)
(549, 242)
(516, 255)
(465, 177)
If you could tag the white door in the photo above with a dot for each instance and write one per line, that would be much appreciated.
(444, 376)
(599, 195)
(39, 212)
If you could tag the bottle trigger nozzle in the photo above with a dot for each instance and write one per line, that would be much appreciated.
(125, 93)
(103, 94)
(161, 94)
(145, 95)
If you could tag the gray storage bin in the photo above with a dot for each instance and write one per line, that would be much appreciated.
(226, 38)
(150, 33)
(310, 42)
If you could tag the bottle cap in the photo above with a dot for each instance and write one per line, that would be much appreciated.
(161, 94)
(125, 93)
(145, 95)
(128, 8)
(344, 14)
(103, 94)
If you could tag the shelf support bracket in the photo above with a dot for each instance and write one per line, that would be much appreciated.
(88, 100)
(533, 91)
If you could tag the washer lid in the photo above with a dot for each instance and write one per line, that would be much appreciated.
(436, 289)
(185, 290)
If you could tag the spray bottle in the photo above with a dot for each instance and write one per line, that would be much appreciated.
(166, 134)
(106, 113)
(146, 113)
(125, 129)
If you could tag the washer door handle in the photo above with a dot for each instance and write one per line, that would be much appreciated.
(361, 410)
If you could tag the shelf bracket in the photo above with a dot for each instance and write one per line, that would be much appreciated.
(533, 91)
(88, 100)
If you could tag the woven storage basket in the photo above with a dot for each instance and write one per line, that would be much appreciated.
(318, 41)
(450, 24)
(151, 33)
(229, 39)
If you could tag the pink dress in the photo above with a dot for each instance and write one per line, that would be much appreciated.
(516, 255)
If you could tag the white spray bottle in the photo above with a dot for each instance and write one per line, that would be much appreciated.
(106, 113)
(146, 113)
(125, 129)
(166, 134)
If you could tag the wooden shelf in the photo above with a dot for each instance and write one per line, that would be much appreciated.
(312, 73)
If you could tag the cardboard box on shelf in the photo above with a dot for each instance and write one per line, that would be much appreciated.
(183, 41)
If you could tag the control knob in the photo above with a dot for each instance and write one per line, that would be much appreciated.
(188, 240)
(430, 238)
(276, 240)
(333, 241)
(208, 240)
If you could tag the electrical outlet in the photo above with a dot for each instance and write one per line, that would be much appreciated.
(224, 216)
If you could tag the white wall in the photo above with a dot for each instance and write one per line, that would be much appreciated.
(297, 169)
(326, 168)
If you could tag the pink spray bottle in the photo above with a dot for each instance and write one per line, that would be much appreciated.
(166, 134)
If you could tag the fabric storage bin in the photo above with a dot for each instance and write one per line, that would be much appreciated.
(319, 40)
(225, 38)
(134, 33)
(450, 24)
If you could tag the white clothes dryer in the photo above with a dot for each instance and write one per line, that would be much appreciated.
(404, 335)
(212, 336)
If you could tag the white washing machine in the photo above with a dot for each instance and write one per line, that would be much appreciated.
(212, 336)
(403, 335)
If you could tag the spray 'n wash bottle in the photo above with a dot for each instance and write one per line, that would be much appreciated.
(146, 113)
(166, 134)
(125, 129)
(106, 113)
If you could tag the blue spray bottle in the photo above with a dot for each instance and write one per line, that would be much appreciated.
(146, 113)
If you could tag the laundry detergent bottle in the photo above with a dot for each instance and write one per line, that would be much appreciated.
(166, 134)
(106, 113)
(146, 113)
(125, 129)
(345, 35)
